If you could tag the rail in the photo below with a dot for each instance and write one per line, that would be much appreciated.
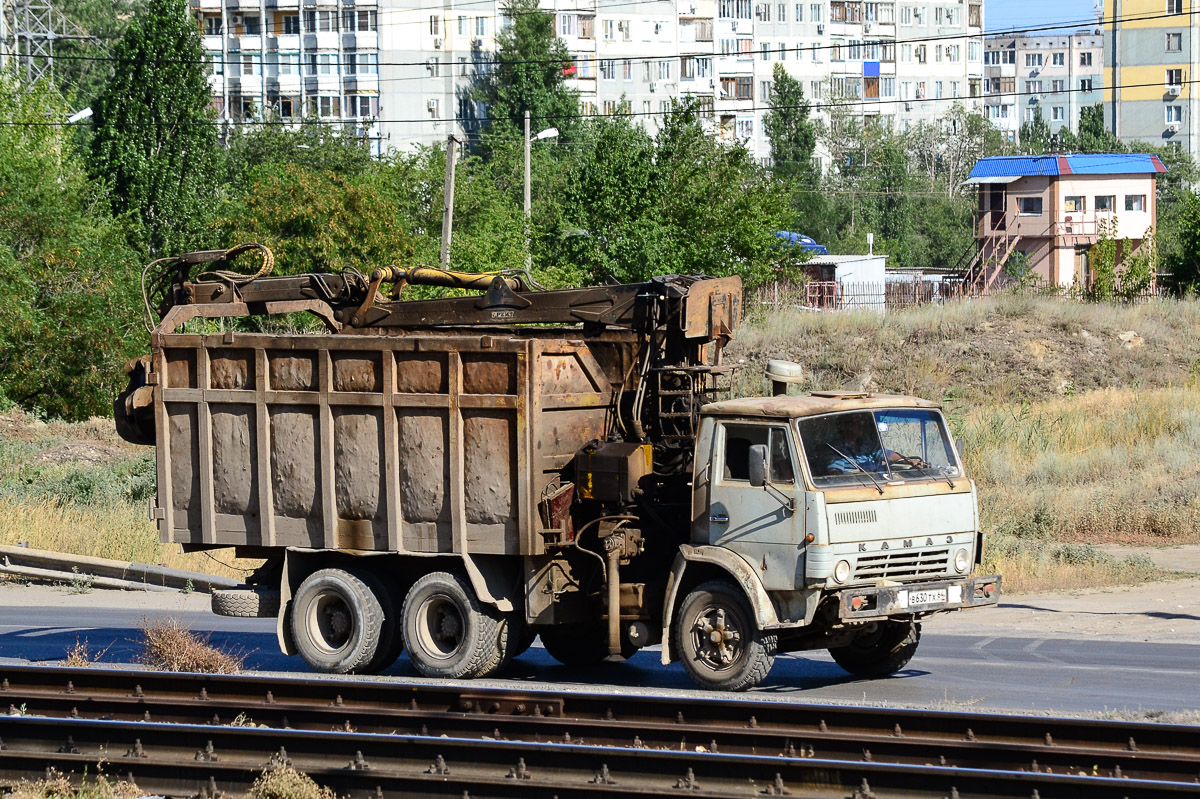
(203, 734)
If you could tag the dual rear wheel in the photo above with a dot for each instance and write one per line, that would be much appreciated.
(348, 621)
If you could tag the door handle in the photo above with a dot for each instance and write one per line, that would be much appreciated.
(719, 519)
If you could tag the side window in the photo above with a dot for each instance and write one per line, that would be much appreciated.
(739, 439)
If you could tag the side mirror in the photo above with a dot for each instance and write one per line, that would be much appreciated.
(758, 465)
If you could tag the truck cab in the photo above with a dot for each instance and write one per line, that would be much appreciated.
(841, 519)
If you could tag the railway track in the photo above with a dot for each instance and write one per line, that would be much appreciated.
(192, 734)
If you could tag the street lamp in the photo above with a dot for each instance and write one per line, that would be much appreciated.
(548, 133)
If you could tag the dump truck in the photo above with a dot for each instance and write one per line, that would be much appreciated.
(453, 477)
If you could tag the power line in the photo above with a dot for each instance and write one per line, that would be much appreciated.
(655, 57)
(851, 103)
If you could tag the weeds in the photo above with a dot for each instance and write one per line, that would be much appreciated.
(80, 583)
(285, 782)
(81, 656)
(167, 645)
(58, 786)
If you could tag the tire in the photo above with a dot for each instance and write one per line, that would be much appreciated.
(742, 657)
(447, 630)
(253, 602)
(883, 651)
(338, 621)
(391, 644)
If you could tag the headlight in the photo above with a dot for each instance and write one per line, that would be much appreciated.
(961, 561)
(841, 572)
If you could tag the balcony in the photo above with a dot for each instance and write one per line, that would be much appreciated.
(214, 44)
(250, 43)
(286, 43)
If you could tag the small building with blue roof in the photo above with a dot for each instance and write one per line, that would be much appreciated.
(1053, 209)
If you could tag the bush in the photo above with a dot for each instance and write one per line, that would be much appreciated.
(167, 645)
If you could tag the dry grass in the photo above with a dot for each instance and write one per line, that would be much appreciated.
(284, 782)
(59, 786)
(81, 655)
(1074, 439)
(167, 645)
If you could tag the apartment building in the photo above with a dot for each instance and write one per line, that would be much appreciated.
(403, 69)
(1151, 54)
(274, 58)
(1060, 75)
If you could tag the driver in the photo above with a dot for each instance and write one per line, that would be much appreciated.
(859, 446)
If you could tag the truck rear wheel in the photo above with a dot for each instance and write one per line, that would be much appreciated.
(338, 621)
(880, 652)
(447, 630)
(718, 640)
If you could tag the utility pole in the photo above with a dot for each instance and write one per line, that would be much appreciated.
(28, 31)
(448, 206)
(528, 202)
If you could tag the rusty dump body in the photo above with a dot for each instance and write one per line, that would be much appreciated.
(453, 477)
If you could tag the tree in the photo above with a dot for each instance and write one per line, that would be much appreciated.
(313, 145)
(1183, 262)
(1035, 134)
(528, 74)
(70, 314)
(793, 135)
(155, 142)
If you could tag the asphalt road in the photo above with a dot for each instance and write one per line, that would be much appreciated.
(983, 671)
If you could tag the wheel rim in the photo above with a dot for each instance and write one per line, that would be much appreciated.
(441, 627)
(718, 637)
(330, 623)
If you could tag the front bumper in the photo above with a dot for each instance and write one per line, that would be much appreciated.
(870, 602)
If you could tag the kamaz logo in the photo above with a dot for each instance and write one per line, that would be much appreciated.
(907, 543)
(503, 314)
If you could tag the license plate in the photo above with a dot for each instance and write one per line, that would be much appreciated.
(927, 597)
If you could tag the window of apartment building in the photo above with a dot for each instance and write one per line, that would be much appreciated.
(816, 51)
(1174, 77)
(434, 66)
(1174, 6)
(627, 69)
(742, 9)
(609, 108)
(991, 58)
(1033, 59)
(744, 90)
(288, 107)
(1174, 42)
(764, 51)
(291, 24)
(953, 53)
(745, 47)
(1056, 85)
(992, 86)
(362, 63)
(744, 128)
(320, 21)
(855, 50)
(725, 9)
(887, 87)
(586, 67)
(1057, 114)
(1135, 202)
(798, 16)
(1085, 59)
(974, 51)
(837, 50)
(329, 106)
(975, 15)
(937, 90)
(1086, 84)
(608, 69)
(1033, 87)
(215, 63)
(921, 54)
(781, 12)
(762, 12)
(359, 105)
(568, 24)
(1174, 114)
(1058, 59)
(906, 15)
(1008, 85)
(1073, 205)
(782, 52)
(816, 89)
(212, 26)
(609, 28)
(625, 29)
(816, 12)
(462, 67)
(764, 90)
(1029, 113)
(937, 54)
(435, 25)
(361, 20)
(251, 26)
(1029, 206)
(321, 64)
(1105, 202)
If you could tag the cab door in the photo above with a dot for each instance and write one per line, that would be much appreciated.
(756, 521)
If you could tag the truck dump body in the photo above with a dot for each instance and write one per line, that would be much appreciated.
(413, 443)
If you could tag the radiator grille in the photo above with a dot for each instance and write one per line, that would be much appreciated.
(902, 564)
(855, 517)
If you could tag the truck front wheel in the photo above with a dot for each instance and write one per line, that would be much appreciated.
(880, 652)
(718, 640)
(338, 621)
(447, 630)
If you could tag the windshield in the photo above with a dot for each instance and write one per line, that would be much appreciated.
(863, 446)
